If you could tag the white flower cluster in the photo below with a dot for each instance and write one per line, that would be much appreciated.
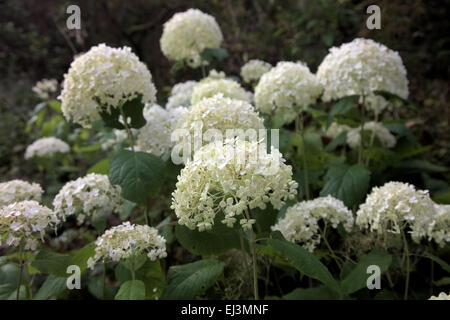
(441, 296)
(45, 87)
(434, 225)
(126, 240)
(231, 177)
(46, 147)
(187, 34)
(377, 129)
(87, 195)
(155, 136)
(301, 223)
(335, 130)
(118, 137)
(180, 95)
(289, 88)
(254, 69)
(22, 223)
(219, 113)
(392, 206)
(105, 75)
(209, 87)
(361, 67)
(19, 190)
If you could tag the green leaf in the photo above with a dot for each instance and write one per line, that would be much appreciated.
(81, 256)
(389, 96)
(132, 110)
(101, 167)
(347, 183)
(442, 196)
(152, 275)
(210, 54)
(131, 290)
(52, 287)
(189, 280)
(445, 281)
(95, 288)
(52, 263)
(422, 165)
(305, 262)
(340, 140)
(139, 174)
(55, 105)
(439, 261)
(342, 106)
(317, 293)
(357, 278)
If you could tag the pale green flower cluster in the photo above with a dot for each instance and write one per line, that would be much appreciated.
(180, 95)
(231, 177)
(288, 88)
(441, 296)
(45, 87)
(301, 222)
(23, 223)
(155, 136)
(46, 147)
(221, 114)
(87, 196)
(254, 69)
(209, 87)
(394, 205)
(379, 131)
(101, 79)
(126, 240)
(19, 190)
(187, 34)
(361, 67)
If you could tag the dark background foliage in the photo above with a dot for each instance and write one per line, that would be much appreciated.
(36, 44)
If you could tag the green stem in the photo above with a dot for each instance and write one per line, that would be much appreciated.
(127, 128)
(361, 133)
(405, 247)
(372, 139)
(20, 273)
(131, 268)
(327, 244)
(299, 128)
(146, 214)
(255, 273)
(104, 281)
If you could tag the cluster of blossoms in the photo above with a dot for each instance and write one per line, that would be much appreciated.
(434, 226)
(18, 190)
(360, 68)
(127, 240)
(155, 136)
(219, 113)
(187, 34)
(301, 222)
(231, 177)
(209, 87)
(289, 88)
(181, 93)
(87, 195)
(441, 296)
(335, 130)
(380, 132)
(46, 147)
(101, 79)
(45, 87)
(254, 69)
(392, 206)
(23, 223)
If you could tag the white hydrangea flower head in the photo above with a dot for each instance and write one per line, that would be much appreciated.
(441, 296)
(254, 69)
(187, 34)
(437, 226)
(126, 240)
(19, 190)
(180, 95)
(46, 147)
(383, 135)
(209, 87)
(390, 207)
(219, 113)
(155, 136)
(301, 222)
(231, 177)
(336, 129)
(361, 67)
(105, 75)
(45, 87)
(86, 196)
(289, 87)
(23, 223)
